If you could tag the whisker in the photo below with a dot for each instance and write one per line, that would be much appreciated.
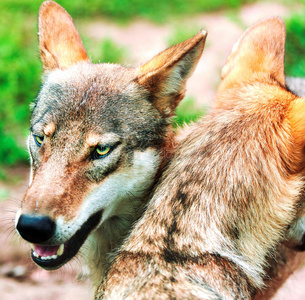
(10, 235)
(7, 220)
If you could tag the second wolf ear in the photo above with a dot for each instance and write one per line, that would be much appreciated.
(166, 74)
(59, 41)
(259, 52)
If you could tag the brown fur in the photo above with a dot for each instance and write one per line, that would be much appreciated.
(231, 191)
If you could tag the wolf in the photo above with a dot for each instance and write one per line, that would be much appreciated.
(100, 137)
(231, 191)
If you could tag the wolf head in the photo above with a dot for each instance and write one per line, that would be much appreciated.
(99, 137)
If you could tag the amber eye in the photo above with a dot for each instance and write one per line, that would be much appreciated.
(102, 151)
(38, 139)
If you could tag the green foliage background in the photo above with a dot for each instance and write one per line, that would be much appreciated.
(158, 11)
(295, 45)
(20, 68)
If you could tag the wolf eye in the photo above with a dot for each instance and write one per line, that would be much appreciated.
(38, 139)
(101, 152)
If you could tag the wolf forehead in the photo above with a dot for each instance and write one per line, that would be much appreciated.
(102, 95)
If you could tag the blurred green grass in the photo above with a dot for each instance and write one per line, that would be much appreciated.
(19, 83)
(295, 45)
(157, 11)
(188, 112)
(20, 68)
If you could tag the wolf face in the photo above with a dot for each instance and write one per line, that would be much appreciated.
(99, 138)
(90, 156)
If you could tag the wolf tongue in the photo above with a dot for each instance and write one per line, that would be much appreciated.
(45, 251)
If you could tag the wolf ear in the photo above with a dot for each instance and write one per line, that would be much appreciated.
(59, 41)
(166, 74)
(260, 50)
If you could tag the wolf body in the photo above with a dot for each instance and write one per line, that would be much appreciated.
(231, 191)
(100, 137)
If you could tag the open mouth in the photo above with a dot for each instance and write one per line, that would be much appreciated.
(53, 257)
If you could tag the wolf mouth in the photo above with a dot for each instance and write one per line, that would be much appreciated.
(53, 257)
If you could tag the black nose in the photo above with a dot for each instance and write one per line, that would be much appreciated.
(36, 229)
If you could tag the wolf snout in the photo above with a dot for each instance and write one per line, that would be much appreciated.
(35, 229)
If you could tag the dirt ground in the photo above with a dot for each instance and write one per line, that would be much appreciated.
(19, 278)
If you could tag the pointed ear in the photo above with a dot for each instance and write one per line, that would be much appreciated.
(59, 41)
(260, 51)
(166, 74)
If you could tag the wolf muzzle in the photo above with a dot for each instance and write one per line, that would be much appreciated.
(39, 231)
